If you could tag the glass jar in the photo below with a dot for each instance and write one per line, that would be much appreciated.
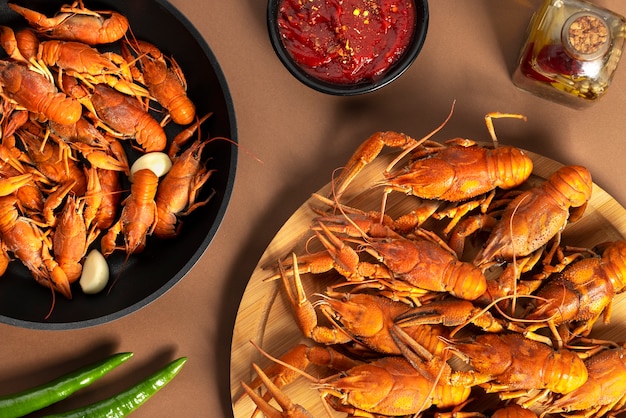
(571, 52)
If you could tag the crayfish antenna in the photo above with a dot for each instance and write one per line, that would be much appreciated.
(485, 310)
(238, 145)
(54, 299)
(119, 273)
(586, 347)
(185, 135)
(407, 151)
(421, 141)
(333, 190)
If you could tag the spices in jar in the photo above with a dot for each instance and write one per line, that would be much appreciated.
(571, 52)
(346, 41)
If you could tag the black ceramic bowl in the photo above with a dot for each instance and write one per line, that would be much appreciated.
(146, 276)
(360, 87)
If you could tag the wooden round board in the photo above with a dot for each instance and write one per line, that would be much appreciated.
(265, 318)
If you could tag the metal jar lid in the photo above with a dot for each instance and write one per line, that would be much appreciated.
(586, 36)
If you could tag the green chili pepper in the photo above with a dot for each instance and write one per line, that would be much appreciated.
(127, 401)
(27, 401)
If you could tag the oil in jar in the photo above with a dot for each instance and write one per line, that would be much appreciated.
(571, 52)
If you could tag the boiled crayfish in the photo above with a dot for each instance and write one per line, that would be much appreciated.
(384, 275)
(575, 298)
(67, 102)
(165, 80)
(37, 93)
(603, 394)
(534, 217)
(364, 318)
(457, 172)
(419, 261)
(178, 194)
(386, 386)
(77, 23)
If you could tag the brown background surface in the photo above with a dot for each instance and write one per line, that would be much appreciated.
(300, 136)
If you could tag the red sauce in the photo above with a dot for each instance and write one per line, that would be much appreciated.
(346, 41)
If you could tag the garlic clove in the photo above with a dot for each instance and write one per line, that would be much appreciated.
(159, 162)
(95, 275)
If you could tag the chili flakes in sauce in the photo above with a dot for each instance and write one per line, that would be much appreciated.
(346, 41)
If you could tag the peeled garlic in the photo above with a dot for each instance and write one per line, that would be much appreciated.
(159, 162)
(95, 273)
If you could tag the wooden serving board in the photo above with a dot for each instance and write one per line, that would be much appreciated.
(265, 318)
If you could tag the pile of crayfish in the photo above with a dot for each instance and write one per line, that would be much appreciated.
(67, 103)
(469, 303)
